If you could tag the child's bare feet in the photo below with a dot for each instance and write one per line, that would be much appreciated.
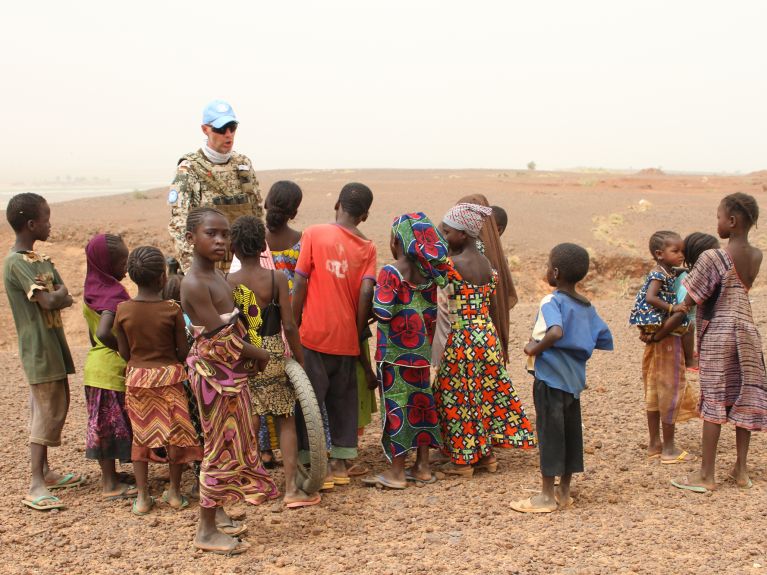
(741, 478)
(299, 498)
(218, 542)
(676, 455)
(694, 482)
(536, 504)
(420, 471)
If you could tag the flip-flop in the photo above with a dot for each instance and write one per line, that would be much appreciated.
(328, 485)
(66, 480)
(748, 485)
(681, 458)
(35, 503)
(135, 510)
(341, 480)
(383, 482)
(568, 503)
(688, 487)
(410, 477)
(240, 547)
(184, 501)
(358, 470)
(127, 492)
(304, 502)
(653, 456)
(527, 506)
(459, 470)
(233, 529)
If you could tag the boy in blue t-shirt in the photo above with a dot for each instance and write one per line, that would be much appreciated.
(566, 332)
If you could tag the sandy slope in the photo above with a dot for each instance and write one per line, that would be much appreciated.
(626, 518)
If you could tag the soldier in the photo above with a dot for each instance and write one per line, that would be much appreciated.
(215, 176)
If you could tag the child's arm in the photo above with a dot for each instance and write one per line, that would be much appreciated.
(671, 323)
(363, 313)
(299, 297)
(122, 342)
(553, 334)
(288, 322)
(655, 301)
(182, 343)
(104, 330)
(59, 298)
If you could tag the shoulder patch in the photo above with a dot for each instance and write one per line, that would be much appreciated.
(172, 196)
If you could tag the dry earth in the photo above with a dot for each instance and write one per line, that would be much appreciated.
(626, 518)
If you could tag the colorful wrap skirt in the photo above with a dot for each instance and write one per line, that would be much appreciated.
(109, 428)
(231, 469)
(666, 388)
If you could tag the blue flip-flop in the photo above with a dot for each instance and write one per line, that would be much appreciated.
(66, 481)
(35, 503)
(688, 487)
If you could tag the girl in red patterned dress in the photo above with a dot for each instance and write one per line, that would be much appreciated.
(476, 400)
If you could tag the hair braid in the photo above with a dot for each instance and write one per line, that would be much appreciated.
(744, 205)
(248, 236)
(145, 265)
(695, 244)
(658, 240)
(282, 204)
(197, 215)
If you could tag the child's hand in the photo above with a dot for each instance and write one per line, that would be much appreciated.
(645, 337)
(680, 307)
(371, 379)
(530, 347)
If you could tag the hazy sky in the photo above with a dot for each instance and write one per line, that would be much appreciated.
(117, 89)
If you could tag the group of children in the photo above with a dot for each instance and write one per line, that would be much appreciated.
(186, 371)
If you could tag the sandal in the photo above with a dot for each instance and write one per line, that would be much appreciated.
(135, 511)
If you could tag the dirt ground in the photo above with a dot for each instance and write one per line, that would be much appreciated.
(626, 517)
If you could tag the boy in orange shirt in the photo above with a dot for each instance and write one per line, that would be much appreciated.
(334, 281)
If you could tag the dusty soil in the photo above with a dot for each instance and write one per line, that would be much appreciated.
(626, 518)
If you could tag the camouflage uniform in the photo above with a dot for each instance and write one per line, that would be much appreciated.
(231, 188)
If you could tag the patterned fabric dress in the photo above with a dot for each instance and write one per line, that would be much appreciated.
(159, 414)
(270, 391)
(666, 389)
(477, 404)
(285, 261)
(406, 314)
(231, 469)
(733, 383)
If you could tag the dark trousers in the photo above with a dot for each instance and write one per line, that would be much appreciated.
(560, 431)
(334, 379)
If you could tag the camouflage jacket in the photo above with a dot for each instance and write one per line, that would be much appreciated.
(199, 182)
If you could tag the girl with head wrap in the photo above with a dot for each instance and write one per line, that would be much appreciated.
(505, 293)
(475, 398)
(108, 435)
(405, 305)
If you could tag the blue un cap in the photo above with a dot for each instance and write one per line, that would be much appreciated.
(218, 113)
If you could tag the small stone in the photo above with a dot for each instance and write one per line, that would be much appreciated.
(115, 553)
(624, 468)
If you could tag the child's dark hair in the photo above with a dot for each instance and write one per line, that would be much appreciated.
(355, 199)
(282, 203)
(695, 244)
(659, 239)
(248, 236)
(145, 265)
(172, 289)
(22, 208)
(113, 243)
(571, 260)
(743, 204)
(196, 215)
(501, 218)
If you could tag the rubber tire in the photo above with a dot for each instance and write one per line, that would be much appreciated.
(309, 481)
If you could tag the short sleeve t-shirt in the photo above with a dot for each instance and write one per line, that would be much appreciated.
(104, 368)
(563, 366)
(334, 261)
(43, 346)
(152, 329)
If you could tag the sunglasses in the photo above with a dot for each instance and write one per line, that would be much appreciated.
(222, 130)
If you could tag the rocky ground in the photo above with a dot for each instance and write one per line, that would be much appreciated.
(626, 517)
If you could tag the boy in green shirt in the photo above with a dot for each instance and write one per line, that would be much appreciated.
(36, 294)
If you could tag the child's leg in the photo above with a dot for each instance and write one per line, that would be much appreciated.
(654, 445)
(396, 473)
(289, 447)
(110, 483)
(688, 345)
(173, 494)
(740, 470)
(37, 455)
(706, 476)
(550, 424)
(421, 469)
(143, 500)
